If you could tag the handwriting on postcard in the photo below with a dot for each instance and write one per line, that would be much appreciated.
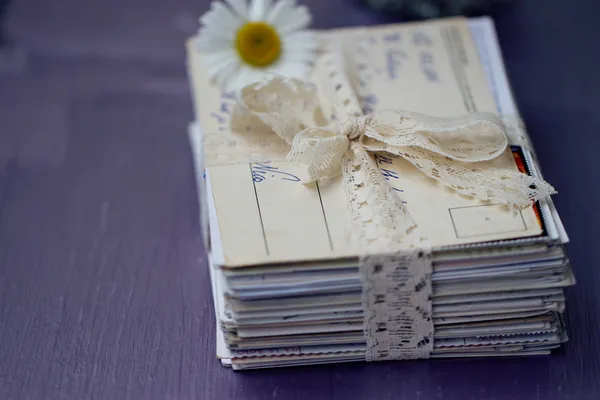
(397, 55)
(264, 170)
(391, 176)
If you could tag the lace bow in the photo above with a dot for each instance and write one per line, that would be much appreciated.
(457, 152)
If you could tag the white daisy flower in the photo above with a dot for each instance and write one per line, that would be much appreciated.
(242, 43)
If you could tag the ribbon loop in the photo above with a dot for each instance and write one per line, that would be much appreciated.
(286, 106)
(471, 138)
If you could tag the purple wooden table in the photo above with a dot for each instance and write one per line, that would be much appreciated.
(104, 289)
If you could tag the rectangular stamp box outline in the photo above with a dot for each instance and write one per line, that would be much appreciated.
(483, 234)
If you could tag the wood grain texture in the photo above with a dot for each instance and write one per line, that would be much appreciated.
(104, 291)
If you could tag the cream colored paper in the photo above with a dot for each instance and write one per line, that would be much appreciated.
(266, 215)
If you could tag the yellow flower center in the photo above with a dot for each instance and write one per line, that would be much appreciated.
(258, 44)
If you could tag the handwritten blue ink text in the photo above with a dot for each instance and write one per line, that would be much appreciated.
(263, 171)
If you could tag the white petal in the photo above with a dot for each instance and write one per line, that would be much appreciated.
(259, 9)
(216, 31)
(293, 69)
(304, 56)
(291, 19)
(276, 70)
(239, 80)
(226, 15)
(223, 69)
(208, 44)
(298, 18)
(240, 7)
(221, 20)
(207, 20)
(299, 47)
(209, 39)
(255, 74)
(227, 75)
(300, 40)
(219, 60)
(285, 67)
(280, 9)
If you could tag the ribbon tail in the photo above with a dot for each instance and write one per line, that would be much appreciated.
(482, 180)
(395, 266)
(380, 220)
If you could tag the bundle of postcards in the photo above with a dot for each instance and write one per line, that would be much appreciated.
(368, 193)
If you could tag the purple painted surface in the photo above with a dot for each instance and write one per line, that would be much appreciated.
(104, 290)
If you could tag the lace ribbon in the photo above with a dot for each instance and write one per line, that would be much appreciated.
(457, 152)
(454, 151)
